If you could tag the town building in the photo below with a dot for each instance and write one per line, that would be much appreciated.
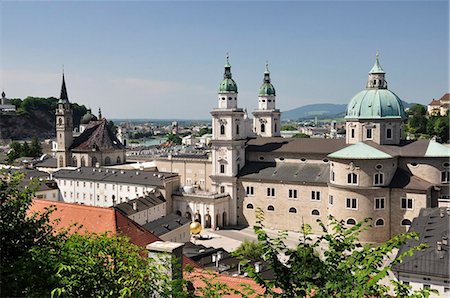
(439, 106)
(5, 104)
(172, 227)
(429, 267)
(144, 209)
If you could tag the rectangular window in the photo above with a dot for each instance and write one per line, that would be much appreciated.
(222, 189)
(353, 133)
(407, 203)
(379, 203)
(351, 203)
(352, 178)
(389, 133)
(292, 193)
(250, 190)
(271, 192)
(378, 179)
(330, 200)
(445, 176)
(332, 175)
(369, 133)
(222, 169)
(315, 195)
(84, 184)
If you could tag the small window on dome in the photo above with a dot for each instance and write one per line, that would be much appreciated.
(229, 98)
(303, 159)
(414, 164)
(269, 100)
(445, 164)
(379, 166)
(325, 160)
(281, 158)
(261, 158)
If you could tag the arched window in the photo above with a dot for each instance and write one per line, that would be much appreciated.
(118, 161)
(94, 161)
(74, 161)
(207, 221)
(82, 162)
(222, 129)
(292, 210)
(263, 127)
(60, 121)
(315, 212)
(188, 215)
(406, 222)
(178, 213)
(378, 178)
(351, 222)
(270, 208)
(107, 160)
(379, 222)
(249, 206)
(237, 129)
(352, 178)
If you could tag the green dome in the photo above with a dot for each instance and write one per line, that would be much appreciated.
(228, 85)
(267, 89)
(88, 117)
(375, 104)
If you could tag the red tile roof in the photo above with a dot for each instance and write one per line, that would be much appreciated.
(445, 97)
(435, 102)
(233, 282)
(98, 220)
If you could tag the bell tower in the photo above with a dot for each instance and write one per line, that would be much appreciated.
(64, 128)
(228, 142)
(266, 121)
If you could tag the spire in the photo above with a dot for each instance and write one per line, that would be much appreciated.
(227, 73)
(3, 94)
(267, 73)
(100, 114)
(377, 67)
(63, 96)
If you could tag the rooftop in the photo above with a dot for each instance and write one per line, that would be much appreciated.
(97, 136)
(142, 203)
(166, 224)
(295, 145)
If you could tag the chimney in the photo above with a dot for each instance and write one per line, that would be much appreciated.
(169, 255)
(135, 206)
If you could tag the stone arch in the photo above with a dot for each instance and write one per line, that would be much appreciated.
(82, 162)
(224, 218)
(178, 212)
(118, 161)
(74, 161)
(315, 212)
(292, 210)
(207, 221)
(107, 160)
(94, 161)
(249, 206)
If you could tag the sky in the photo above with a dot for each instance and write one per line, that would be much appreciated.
(164, 60)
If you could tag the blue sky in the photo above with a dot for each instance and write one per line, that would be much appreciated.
(165, 59)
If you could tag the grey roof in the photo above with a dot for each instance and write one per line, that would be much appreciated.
(406, 180)
(286, 172)
(166, 224)
(115, 176)
(295, 145)
(432, 227)
(405, 148)
(142, 203)
(47, 163)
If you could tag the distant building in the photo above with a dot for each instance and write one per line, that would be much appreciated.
(144, 209)
(430, 267)
(439, 106)
(5, 104)
(171, 227)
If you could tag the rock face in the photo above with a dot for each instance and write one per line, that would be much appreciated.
(27, 125)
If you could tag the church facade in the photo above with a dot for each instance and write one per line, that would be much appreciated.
(97, 145)
(373, 173)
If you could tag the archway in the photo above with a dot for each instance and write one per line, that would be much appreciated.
(198, 217)
(178, 213)
(188, 215)
(224, 219)
(94, 161)
(207, 221)
(118, 161)
(82, 162)
(218, 223)
(74, 161)
(107, 160)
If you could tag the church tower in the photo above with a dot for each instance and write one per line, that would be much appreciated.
(266, 121)
(64, 128)
(228, 143)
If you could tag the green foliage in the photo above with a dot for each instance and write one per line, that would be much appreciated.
(175, 139)
(112, 126)
(417, 121)
(203, 131)
(439, 126)
(17, 150)
(301, 135)
(35, 148)
(421, 126)
(331, 265)
(288, 127)
(141, 135)
(249, 250)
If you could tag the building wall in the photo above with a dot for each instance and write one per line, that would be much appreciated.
(378, 131)
(191, 171)
(417, 282)
(179, 235)
(150, 214)
(50, 194)
(428, 169)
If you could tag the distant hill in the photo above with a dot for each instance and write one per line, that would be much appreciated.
(321, 111)
(35, 117)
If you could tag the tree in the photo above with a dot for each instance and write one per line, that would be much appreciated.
(288, 127)
(15, 150)
(439, 126)
(25, 150)
(301, 135)
(175, 139)
(417, 121)
(35, 148)
(330, 266)
(249, 250)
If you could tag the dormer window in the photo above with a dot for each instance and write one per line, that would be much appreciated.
(352, 178)
(369, 133)
(378, 179)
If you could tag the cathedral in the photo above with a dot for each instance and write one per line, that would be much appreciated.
(373, 173)
(97, 145)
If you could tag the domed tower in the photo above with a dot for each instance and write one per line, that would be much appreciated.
(266, 121)
(376, 113)
(228, 143)
(86, 119)
(64, 127)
